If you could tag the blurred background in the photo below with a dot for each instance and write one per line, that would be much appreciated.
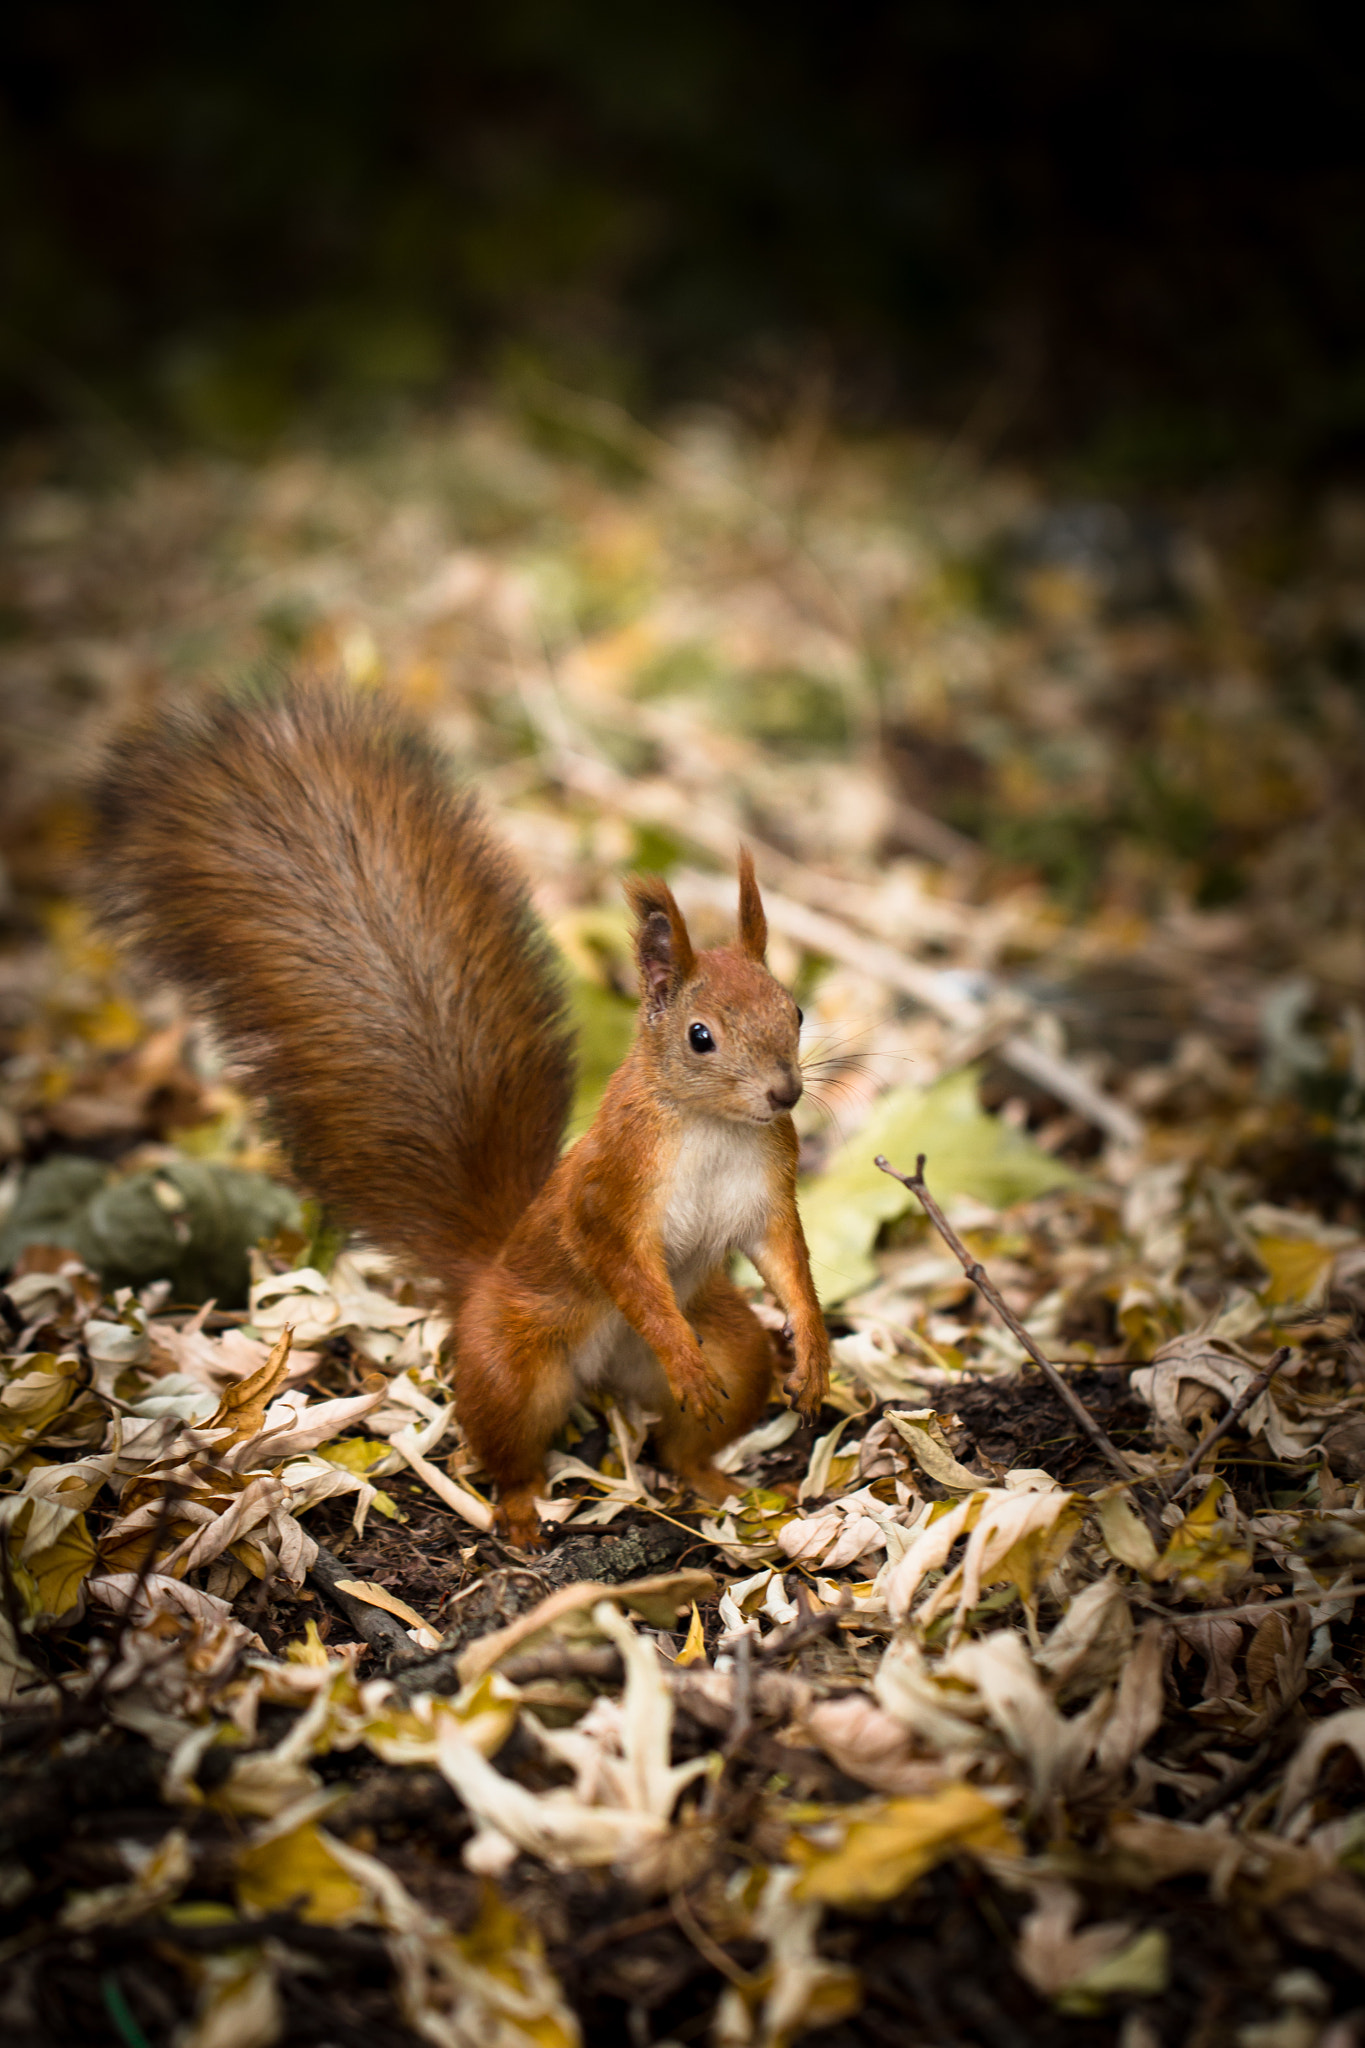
(924, 439)
(1135, 232)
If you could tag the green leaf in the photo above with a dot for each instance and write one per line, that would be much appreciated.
(967, 1153)
(604, 1025)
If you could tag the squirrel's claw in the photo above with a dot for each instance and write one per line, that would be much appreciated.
(695, 1386)
(806, 1389)
(516, 1520)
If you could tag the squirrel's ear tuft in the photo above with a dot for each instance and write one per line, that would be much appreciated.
(753, 925)
(662, 945)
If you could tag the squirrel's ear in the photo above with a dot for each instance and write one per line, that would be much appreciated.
(753, 925)
(662, 945)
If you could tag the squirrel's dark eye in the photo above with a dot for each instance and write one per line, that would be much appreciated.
(800, 1017)
(700, 1039)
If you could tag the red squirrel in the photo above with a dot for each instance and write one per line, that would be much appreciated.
(304, 868)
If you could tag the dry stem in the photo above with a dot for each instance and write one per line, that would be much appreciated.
(981, 1280)
(382, 1632)
(1182, 1480)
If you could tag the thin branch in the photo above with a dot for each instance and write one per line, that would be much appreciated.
(565, 1661)
(1251, 1609)
(381, 1632)
(613, 1931)
(1227, 1789)
(810, 1626)
(1245, 1774)
(1181, 1481)
(742, 1714)
(981, 1280)
(710, 1951)
(741, 1720)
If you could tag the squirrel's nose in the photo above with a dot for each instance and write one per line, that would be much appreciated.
(788, 1095)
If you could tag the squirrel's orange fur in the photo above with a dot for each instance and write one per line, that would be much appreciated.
(304, 869)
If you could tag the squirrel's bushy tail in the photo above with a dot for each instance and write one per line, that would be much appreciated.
(302, 867)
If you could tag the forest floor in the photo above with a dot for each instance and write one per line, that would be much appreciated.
(955, 1725)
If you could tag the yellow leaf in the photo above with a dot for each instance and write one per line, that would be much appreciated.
(510, 1951)
(48, 1580)
(1038, 1551)
(1126, 1536)
(309, 1649)
(60, 1569)
(497, 1929)
(886, 1849)
(1298, 1267)
(31, 1402)
(298, 1870)
(242, 1408)
(694, 1649)
(377, 1596)
(1204, 1553)
(922, 1433)
(486, 1712)
(251, 1555)
(359, 1454)
(762, 1515)
(199, 1913)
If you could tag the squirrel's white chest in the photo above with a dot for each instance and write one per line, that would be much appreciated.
(720, 1196)
(719, 1199)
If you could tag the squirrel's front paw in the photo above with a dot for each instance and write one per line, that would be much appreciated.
(807, 1384)
(697, 1390)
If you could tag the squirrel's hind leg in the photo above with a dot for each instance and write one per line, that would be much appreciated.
(740, 1355)
(513, 1391)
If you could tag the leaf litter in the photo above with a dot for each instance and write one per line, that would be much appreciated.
(943, 1728)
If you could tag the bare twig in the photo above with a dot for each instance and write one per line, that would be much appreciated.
(742, 1716)
(613, 1931)
(709, 1696)
(1227, 1789)
(810, 1625)
(710, 1950)
(1181, 1481)
(981, 1280)
(564, 1661)
(1245, 1774)
(382, 1632)
(741, 1720)
(1251, 1609)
